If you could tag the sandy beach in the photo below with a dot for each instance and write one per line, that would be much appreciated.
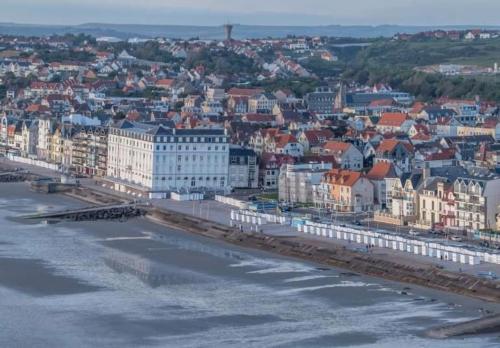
(140, 284)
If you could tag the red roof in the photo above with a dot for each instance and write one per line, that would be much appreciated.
(37, 108)
(336, 146)
(442, 154)
(269, 132)
(421, 136)
(133, 115)
(260, 118)
(390, 144)
(165, 82)
(382, 102)
(315, 136)
(342, 177)
(278, 160)
(381, 170)
(420, 128)
(417, 107)
(283, 139)
(392, 119)
(244, 92)
(490, 123)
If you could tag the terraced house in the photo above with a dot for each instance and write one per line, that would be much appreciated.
(345, 191)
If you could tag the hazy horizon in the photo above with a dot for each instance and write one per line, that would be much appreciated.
(264, 12)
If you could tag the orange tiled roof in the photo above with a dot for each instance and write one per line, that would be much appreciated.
(165, 82)
(381, 170)
(392, 119)
(342, 177)
(390, 144)
(336, 146)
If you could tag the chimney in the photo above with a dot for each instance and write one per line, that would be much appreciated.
(426, 173)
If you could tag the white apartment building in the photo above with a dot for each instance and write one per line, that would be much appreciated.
(45, 131)
(296, 181)
(156, 159)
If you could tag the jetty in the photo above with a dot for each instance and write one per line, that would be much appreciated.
(108, 212)
(15, 176)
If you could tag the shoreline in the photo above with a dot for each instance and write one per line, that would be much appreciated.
(335, 256)
(431, 278)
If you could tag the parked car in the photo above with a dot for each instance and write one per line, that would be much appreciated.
(456, 238)
(413, 233)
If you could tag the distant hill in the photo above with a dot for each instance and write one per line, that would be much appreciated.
(125, 31)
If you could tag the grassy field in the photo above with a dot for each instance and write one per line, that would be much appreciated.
(477, 52)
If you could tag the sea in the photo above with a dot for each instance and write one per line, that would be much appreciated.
(138, 284)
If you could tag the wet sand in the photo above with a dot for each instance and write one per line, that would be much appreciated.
(140, 284)
(34, 278)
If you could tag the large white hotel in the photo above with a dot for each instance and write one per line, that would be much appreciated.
(155, 159)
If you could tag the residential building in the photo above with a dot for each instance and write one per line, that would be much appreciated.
(155, 159)
(243, 168)
(321, 101)
(314, 138)
(269, 169)
(378, 175)
(401, 199)
(394, 122)
(90, 151)
(296, 181)
(476, 202)
(397, 152)
(262, 103)
(345, 191)
(45, 131)
(29, 138)
(346, 154)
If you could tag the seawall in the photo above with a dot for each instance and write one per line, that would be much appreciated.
(489, 324)
(336, 256)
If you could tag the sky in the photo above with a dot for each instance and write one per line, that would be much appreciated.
(258, 12)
